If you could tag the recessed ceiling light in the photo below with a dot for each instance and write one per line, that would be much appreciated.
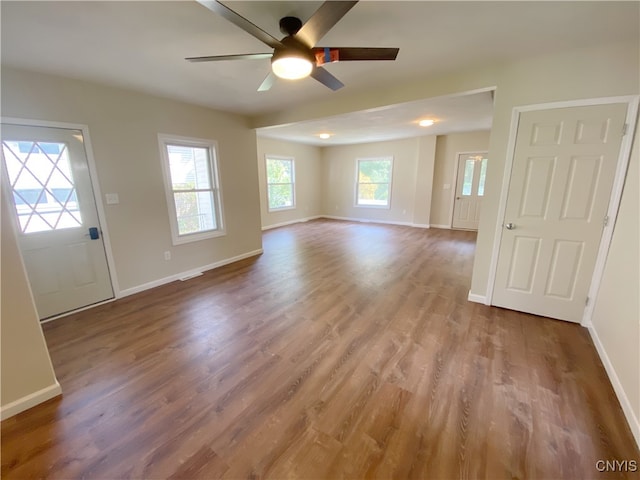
(426, 123)
(324, 136)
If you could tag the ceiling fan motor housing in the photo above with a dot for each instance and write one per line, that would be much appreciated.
(293, 48)
(290, 25)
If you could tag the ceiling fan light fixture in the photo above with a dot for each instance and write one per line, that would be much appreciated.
(291, 68)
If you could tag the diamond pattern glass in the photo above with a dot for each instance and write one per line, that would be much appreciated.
(44, 194)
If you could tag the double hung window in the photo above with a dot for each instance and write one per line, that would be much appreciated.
(373, 186)
(192, 187)
(280, 183)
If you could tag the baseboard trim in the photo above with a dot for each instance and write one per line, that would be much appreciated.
(290, 222)
(446, 227)
(29, 401)
(632, 420)
(383, 222)
(189, 273)
(475, 298)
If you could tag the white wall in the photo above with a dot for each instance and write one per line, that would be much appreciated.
(413, 160)
(27, 374)
(308, 181)
(123, 126)
(616, 316)
(447, 149)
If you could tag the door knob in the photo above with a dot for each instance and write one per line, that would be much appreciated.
(510, 226)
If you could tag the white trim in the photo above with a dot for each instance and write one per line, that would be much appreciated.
(454, 184)
(632, 420)
(77, 310)
(164, 140)
(421, 225)
(368, 220)
(472, 297)
(29, 401)
(446, 227)
(357, 182)
(612, 212)
(268, 157)
(291, 222)
(93, 176)
(616, 193)
(192, 272)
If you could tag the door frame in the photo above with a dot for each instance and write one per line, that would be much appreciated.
(97, 194)
(614, 200)
(454, 183)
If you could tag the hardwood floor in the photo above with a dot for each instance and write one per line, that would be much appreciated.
(344, 351)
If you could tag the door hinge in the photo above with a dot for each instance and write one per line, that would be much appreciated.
(586, 301)
(624, 129)
(605, 221)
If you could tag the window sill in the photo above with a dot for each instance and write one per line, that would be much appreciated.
(279, 209)
(196, 237)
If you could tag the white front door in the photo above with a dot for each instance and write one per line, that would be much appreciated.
(55, 217)
(564, 165)
(472, 171)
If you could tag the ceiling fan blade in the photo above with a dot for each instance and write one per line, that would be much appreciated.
(267, 83)
(322, 21)
(241, 56)
(349, 54)
(240, 21)
(325, 78)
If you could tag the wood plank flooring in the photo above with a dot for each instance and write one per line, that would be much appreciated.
(344, 351)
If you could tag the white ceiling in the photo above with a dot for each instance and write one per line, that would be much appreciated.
(142, 45)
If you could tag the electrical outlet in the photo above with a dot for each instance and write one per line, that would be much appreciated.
(167, 255)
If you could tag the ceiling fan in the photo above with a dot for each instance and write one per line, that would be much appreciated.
(296, 55)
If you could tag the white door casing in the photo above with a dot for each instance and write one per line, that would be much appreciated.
(564, 165)
(54, 205)
(471, 173)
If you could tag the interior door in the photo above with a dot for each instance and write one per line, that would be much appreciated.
(472, 171)
(56, 217)
(563, 170)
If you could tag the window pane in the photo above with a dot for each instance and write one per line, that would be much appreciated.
(483, 175)
(373, 194)
(189, 167)
(44, 194)
(469, 165)
(374, 171)
(279, 171)
(194, 212)
(280, 196)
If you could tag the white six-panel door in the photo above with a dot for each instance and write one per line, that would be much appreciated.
(563, 171)
(48, 179)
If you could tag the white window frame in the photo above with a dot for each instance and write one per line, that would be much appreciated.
(357, 182)
(293, 181)
(164, 140)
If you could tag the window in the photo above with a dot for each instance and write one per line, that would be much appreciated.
(192, 187)
(44, 191)
(280, 183)
(373, 188)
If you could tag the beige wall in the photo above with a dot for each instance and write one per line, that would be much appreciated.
(308, 181)
(447, 149)
(616, 316)
(597, 72)
(413, 160)
(25, 364)
(123, 126)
